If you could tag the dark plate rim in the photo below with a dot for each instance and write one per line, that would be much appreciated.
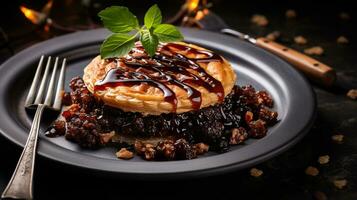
(188, 168)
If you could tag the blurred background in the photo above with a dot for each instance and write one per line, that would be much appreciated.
(329, 19)
(330, 25)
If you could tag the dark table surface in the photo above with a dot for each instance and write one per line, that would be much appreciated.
(284, 176)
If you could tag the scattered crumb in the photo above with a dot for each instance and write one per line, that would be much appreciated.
(273, 35)
(106, 137)
(337, 138)
(201, 148)
(352, 94)
(259, 20)
(300, 40)
(317, 50)
(324, 159)
(320, 195)
(340, 184)
(123, 153)
(342, 40)
(290, 13)
(256, 172)
(312, 171)
(239, 135)
(344, 16)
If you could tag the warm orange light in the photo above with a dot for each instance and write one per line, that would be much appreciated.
(34, 16)
(199, 15)
(47, 8)
(192, 4)
(47, 28)
(205, 11)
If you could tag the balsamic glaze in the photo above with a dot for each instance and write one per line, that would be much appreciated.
(165, 68)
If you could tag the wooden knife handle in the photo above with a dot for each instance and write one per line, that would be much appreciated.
(312, 68)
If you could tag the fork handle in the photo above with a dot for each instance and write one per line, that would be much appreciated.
(312, 68)
(20, 185)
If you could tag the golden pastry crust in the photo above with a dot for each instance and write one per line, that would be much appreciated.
(148, 99)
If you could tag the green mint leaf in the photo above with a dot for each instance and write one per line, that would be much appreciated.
(121, 21)
(167, 33)
(117, 45)
(118, 19)
(153, 17)
(149, 41)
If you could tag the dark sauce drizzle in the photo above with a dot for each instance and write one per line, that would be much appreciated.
(165, 68)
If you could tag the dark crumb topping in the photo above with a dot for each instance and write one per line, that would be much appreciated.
(244, 113)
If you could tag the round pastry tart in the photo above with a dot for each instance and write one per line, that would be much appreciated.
(181, 77)
(173, 105)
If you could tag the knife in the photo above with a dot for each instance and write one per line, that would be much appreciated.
(312, 68)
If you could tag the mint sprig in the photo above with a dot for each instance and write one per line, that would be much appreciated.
(167, 33)
(126, 31)
(152, 17)
(118, 19)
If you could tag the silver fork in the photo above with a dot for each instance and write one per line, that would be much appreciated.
(20, 185)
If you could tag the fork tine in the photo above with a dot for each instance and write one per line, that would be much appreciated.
(32, 92)
(50, 89)
(60, 87)
(40, 93)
